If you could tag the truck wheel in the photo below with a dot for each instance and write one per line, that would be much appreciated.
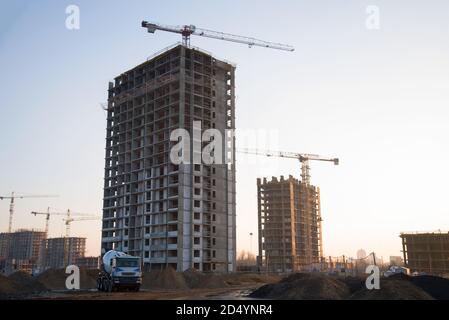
(109, 287)
(101, 288)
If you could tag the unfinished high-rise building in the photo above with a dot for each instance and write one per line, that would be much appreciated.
(289, 225)
(21, 250)
(426, 252)
(171, 215)
(61, 252)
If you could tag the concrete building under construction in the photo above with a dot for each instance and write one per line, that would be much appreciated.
(61, 252)
(289, 225)
(21, 250)
(171, 215)
(426, 252)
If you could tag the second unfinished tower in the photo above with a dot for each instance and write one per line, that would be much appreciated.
(289, 225)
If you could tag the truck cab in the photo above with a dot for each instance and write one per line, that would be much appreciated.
(126, 271)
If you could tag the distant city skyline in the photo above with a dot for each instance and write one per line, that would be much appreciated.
(375, 98)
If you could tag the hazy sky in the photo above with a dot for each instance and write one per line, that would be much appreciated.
(377, 99)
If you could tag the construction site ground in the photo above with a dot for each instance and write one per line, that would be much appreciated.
(191, 285)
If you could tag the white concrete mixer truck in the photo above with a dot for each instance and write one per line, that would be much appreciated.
(119, 271)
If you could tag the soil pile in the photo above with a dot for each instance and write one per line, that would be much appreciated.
(392, 289)
(304, 286)
(19, 285)
(437, 287)
(196, 279)
(7, 286)
(164, 279)
(26, 283)
(250, 278)
(354, 284)
(54, 279)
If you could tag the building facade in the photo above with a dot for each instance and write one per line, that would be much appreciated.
(21, 250)
(426, 252)
(171, 215)
(289, 225)
(61, 252)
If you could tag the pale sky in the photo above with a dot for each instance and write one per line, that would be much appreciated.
(377, 99)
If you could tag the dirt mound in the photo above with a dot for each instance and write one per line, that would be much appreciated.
(437, 287)
(164, 279)
(392, 289)
(399, 276)
(250, 278)
(7, 286)
(54, 279)
(304, 286)
(196, 279)
(26, 283)
(19, 285)
(354, 284)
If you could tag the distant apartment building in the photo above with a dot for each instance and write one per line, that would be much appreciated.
(426, 252)
(61, 252)
(171, 215)
(289, 225)
(21, 250)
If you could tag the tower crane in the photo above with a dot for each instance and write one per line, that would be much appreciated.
(304, 158)
(67, 241)
(11, 205)
(69, 220)
(187, 30)
(68, 215)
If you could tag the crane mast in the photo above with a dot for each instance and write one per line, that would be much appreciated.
(187, 30)
(68, 219)
(12, 202)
